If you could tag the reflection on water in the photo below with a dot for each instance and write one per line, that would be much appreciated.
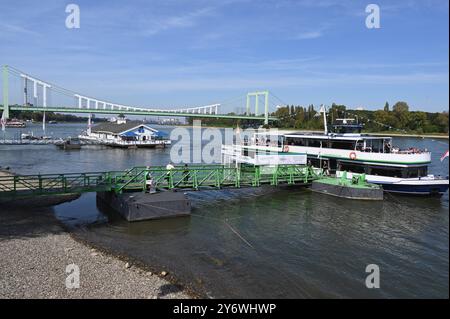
(291, 243)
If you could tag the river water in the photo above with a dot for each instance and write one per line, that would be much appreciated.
(287, 244)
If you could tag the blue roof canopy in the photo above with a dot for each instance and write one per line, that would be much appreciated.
(129, 134)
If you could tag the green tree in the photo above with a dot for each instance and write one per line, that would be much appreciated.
(418, 122)
(386, 107)
(400, 107)
(401, 111)
(441, 122)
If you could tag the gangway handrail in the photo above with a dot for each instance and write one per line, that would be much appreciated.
(135, 179)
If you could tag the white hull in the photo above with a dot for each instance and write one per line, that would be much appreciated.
(425, 185)
(386, 159)
(122, 143)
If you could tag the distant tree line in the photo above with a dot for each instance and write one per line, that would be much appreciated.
(50, 116)
(221, 122)
(399, 118)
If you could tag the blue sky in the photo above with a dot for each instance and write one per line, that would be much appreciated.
(172, 52)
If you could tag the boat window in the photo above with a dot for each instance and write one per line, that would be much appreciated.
(423, 171)
(352, 168)
(314, 162)
(377, 146)
(296, 141)
(343, 145)
(314, 143)
(360, 146)
(414, 172)
(280, 140)
(386, 171)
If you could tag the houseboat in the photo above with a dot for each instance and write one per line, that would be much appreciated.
(345, 150)
(15, 123)
(126, 134)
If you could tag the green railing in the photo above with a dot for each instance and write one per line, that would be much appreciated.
(54, 183)
(136, 179)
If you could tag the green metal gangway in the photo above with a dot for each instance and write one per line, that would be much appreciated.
(193, 177)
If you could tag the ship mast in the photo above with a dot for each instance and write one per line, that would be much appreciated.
(324, 111)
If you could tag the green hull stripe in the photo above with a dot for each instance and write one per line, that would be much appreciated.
(372, 161)
(340, 157)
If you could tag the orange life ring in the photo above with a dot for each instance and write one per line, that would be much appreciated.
(286, 149)
(352, 156)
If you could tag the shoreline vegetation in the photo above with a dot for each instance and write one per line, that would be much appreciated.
(51, 116)
(395, 121)
(398, 121)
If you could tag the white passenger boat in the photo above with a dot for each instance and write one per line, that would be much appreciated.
(347, 150)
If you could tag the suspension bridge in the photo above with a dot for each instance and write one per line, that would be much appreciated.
(36, 96)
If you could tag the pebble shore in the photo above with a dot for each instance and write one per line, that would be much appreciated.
(36, 250)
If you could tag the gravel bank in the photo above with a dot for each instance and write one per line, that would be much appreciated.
(36, 250)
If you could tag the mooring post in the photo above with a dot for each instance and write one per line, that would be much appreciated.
(5, 93)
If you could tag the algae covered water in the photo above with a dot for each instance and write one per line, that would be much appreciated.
(290, 243)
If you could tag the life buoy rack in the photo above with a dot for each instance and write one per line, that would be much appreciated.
(286, 149)
(352, 156)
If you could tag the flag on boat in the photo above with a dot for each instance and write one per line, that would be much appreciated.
(444, 156)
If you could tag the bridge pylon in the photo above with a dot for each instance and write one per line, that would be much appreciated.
(5, 114)
(256, 95)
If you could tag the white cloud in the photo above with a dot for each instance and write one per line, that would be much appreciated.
(309, 35)
(11, 28)
(181, 21)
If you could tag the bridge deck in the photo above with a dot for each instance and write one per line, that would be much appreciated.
(135, 179)
(150, 112)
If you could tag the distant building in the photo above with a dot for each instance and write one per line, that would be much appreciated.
(128, 134)
(170, 121)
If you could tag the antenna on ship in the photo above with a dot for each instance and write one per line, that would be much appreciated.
(323, 110)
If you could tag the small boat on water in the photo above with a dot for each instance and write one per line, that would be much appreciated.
(28, 136)
(356, 188)
(15, 123)
(31, 136)
(69, 144)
